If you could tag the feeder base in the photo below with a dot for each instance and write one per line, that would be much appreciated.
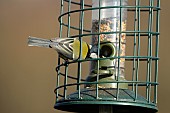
(125, 103)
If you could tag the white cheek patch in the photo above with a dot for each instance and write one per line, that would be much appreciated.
(93, 55)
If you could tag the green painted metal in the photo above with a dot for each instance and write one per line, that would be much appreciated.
(87, 95)
(107, 97)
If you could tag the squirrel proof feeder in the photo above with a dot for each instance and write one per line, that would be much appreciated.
(123, 78)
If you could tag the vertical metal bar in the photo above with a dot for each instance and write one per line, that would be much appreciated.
(58, 80)
(120, 33)
(149, 61)
(134, 48)
(116, 47)
(98, 52)
(66, 65)
(68, 18)
(80, 39)
(147, 74)
(138, 52)
(61, 21)
(157, 51)
(58, 70)
(151, 44)
(65, 81)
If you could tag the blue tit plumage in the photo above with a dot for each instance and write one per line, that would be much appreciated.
(93, 51)
(67, 48)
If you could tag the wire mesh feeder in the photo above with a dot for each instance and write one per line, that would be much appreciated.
(117, 25)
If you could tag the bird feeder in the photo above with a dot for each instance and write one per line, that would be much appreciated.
(123, 78)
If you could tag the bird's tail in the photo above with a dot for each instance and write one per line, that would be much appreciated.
(34, 41)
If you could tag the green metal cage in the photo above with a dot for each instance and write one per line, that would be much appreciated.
(79, 90)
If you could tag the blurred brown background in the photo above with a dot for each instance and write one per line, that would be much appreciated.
(27, 75)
